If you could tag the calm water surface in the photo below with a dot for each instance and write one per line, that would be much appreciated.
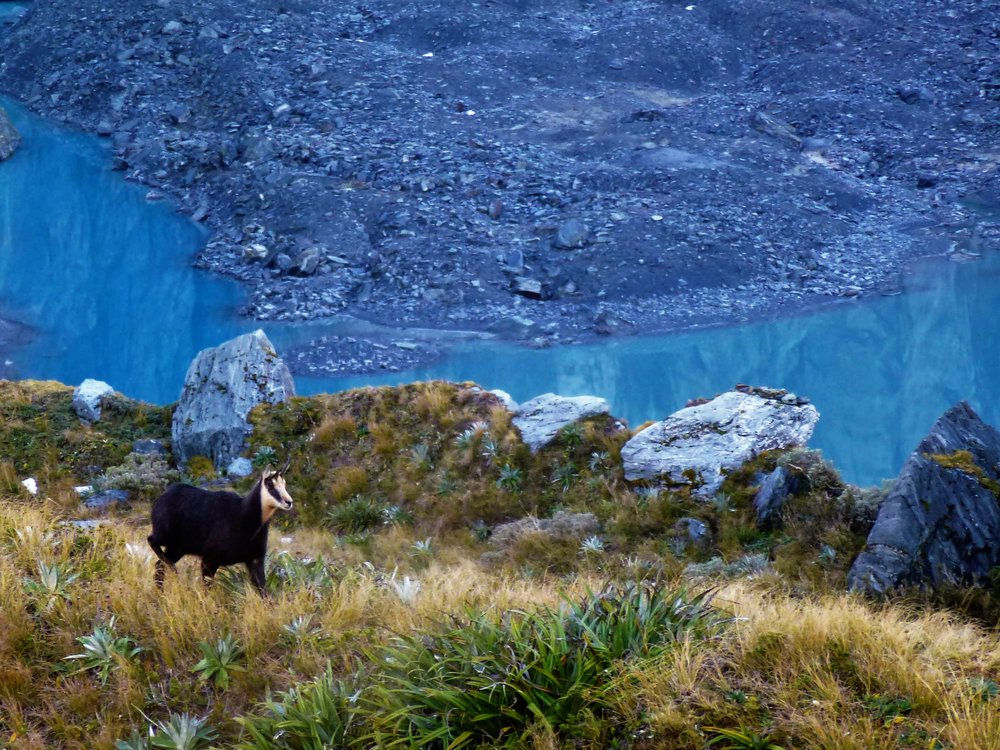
(105, 278)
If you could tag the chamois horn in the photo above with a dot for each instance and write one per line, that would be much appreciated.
(284, 468)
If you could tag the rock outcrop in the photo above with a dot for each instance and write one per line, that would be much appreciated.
(221, 387)
(941, 521)
(541, 418)
(87, 398)
(699, 444)
(10, 139)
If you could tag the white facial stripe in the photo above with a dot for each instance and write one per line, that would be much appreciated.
(271, 502)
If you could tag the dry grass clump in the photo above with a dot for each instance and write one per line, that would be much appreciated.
(827, 672)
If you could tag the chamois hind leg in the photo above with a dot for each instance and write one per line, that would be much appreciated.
(208, 570)
(165, 560)
(255, 568)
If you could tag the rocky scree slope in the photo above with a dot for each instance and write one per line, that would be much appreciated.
(546, 170)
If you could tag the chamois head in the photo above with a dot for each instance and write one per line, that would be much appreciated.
(273, 493)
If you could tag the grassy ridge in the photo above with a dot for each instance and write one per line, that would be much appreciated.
(397, 622)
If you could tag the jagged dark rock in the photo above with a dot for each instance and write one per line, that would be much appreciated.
(940, 523)
(221, 387)
(107, 499)
(776, 488)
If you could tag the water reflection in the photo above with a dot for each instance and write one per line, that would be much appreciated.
(105, 277)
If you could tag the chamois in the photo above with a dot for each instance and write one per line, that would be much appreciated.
(222, 528)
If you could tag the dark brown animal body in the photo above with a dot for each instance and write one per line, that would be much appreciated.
(222, 528)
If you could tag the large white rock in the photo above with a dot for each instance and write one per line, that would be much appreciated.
(541, 418)
(718, 436)
(87, 398)
(221, 387)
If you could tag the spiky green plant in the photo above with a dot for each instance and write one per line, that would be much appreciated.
(510, 478)
(565, 474)
(182, 732)
(219, 660)
(314, 716)
(103, 651)
(357, 515)
(51, 585)
(487, 681)
(264, 458)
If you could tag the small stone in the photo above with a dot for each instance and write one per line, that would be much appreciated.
(179, 113)
(307, 262)
(30, 485)
(149, 447)
(495, 209)
(527, 287)
(106, 499)
(914, 94)
(10, 139)
(692, 531)
(255, 251)
(540, 419)
(776, 488)
(514, 259)
(173, 27)
(573, 233)
(239, 467)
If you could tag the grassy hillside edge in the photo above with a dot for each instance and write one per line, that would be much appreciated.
(400, 617)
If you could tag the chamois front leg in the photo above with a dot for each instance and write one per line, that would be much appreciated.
(255, 568)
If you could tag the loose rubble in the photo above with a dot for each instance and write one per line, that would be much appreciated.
(458, 165)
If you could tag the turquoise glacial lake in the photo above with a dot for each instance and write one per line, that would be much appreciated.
(104, 278)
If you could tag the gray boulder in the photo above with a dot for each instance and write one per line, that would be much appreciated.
(87, 398)
(10, 139)
(941, 521)
(239, 467)
(571, 234)
(701, 444)
(221, 387)
(541, 418)
(149, 447)
(776, 488)
(107, 499)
